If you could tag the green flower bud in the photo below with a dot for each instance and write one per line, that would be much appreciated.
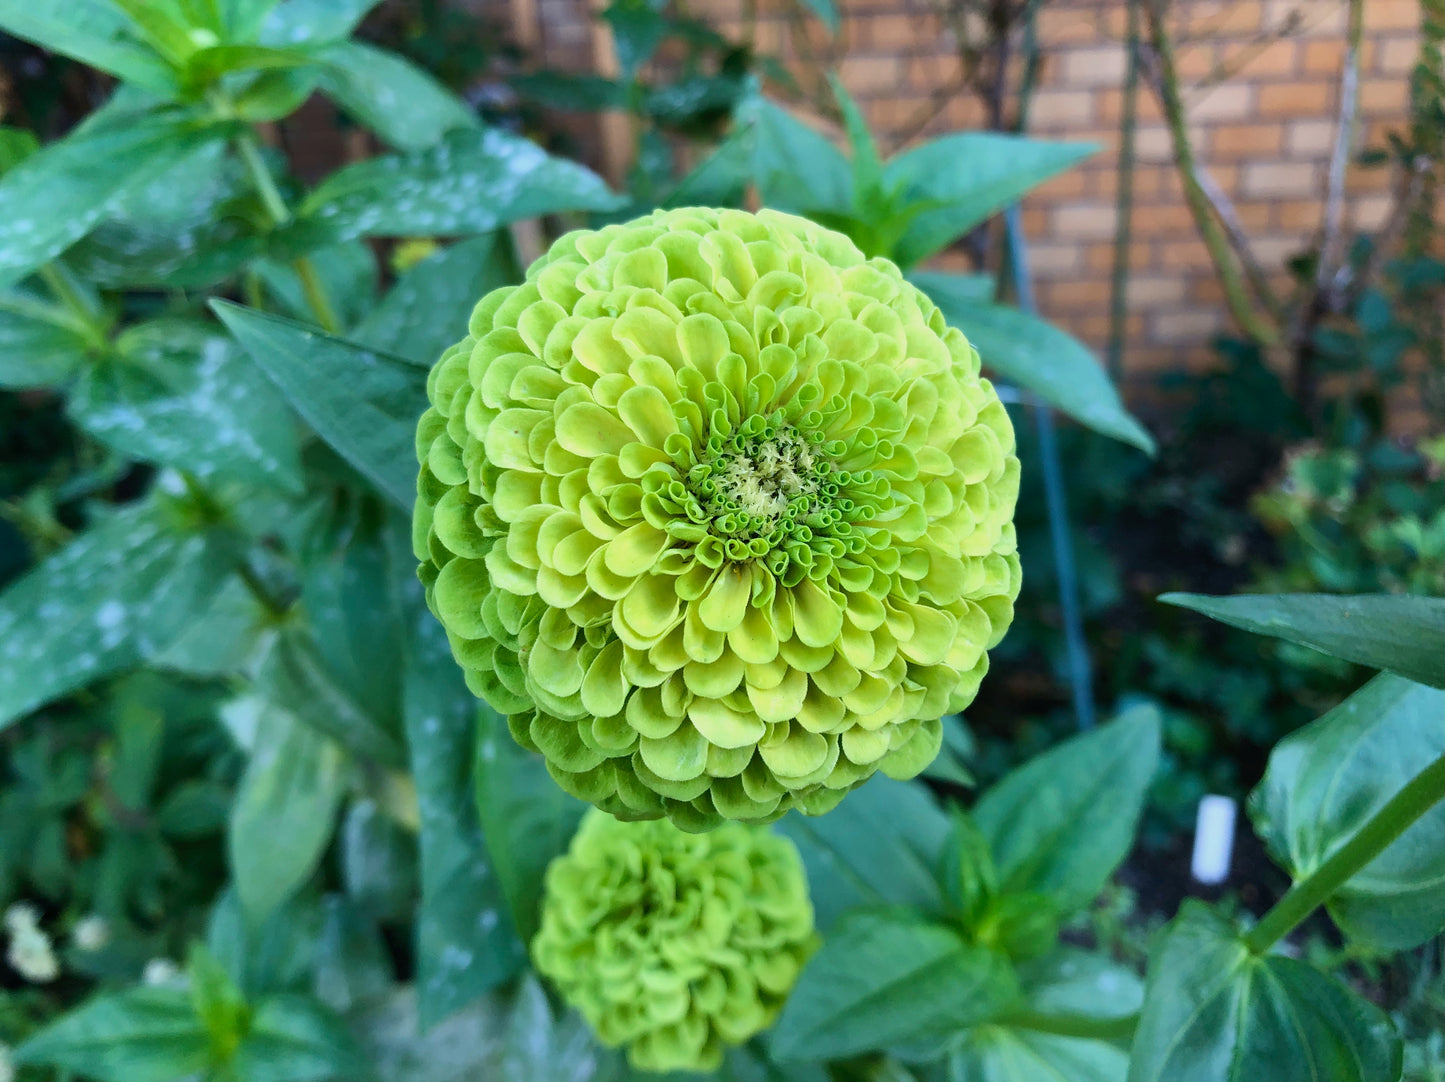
(675, 945)
(719, 513)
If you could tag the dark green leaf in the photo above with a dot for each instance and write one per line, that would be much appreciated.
(473, 181)
(41, 344)
(295, 22)
(993, 1053)
(178, 393)
(879, 847)
(972, 175)
(299, 676)
(144, 1035)
(637, 30)
(188, 229)
(391, 96)
(57, 196)
(352, 964)
(526, 817)
(563, 90)
(1040, 357)
(294, 1039)
(466, 943)
(363, 403)
(120, 592)
(378, 862)
(1404, 635)
(889, 978)
(285, 810)
(795, 167)
(1327, 780)
(428, 308)
(194, 809)
(1213, 1012)
(93, 32)
(1060, 824)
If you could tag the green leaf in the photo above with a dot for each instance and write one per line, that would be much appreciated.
(526, 817)
(1040, 357)
(566, 91)
(348, 277)
(276, 94)
(57, 196)
(1060, 824)
(118, 593)
(187, 229)
(16, 144)
(971, 175)
(1327, 780)
(879, 847)
(143, 1035)
(993, 1053)
(275, 955)
(295, 22)
(794, 167)
(391, 96)
(352, 966)
(466, 941)
(178, 393)
(473, 181)
(427, 310)
(93, 32)
(955, 288)
(378, 862)
(294, 1039)
(1403, 635)
(299, 675)
(223, 639)
(538, 1046)
(41, 345)
(243, 19)
(1083, 983)
(363, 403)
(637, 31)
(867, 165)
(889, 978)
(218, 1003)
(1213, 1012)
(285, 810)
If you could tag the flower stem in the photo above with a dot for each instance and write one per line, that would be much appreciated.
(280, 213)
(1421, 794)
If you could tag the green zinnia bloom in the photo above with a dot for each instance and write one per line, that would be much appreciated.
(673, 944)
(719, 513)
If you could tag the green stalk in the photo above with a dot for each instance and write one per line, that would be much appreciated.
(281, 214)
(1420, 795)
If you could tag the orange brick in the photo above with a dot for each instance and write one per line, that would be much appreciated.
(1177, 255)
(1273, 251)
(1369, 212)
(1324, 57)
(1054, 260)
(1392, 15)
(1396, 56)
(870, 74)
(1057, 110)
(1196, 60)
(1280, 178)
(1384, 97)
(1255, 215)
(1310, 138)
(1096, 66)
(1184, 325)
(1084, 220)
(1155, 292)
(1232, 101)
(1232, 141)
(1297, 99)
(1099, 258)
(1062, 27)
(1299, 214)
(1278, 58)
(1087, 293)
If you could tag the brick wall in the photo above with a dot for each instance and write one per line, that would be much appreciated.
(1261, 109)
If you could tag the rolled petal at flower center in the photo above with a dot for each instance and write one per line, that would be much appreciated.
(719, 513)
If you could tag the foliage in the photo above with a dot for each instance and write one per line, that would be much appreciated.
(262, 830)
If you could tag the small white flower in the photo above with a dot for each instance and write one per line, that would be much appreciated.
(7, 1065)
(91, 934)
(160, 971)
(21, 917)
(32, 956)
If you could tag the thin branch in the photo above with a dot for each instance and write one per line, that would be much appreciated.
(1332, 246)
(1227, 261)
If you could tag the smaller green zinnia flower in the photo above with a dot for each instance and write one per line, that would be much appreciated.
(671, 944)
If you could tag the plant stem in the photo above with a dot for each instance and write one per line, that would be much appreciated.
(1075, 1025)
(1421, 794)
(280, 215)
(265, 185)
(316, 294)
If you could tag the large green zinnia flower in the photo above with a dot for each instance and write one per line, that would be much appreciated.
(675, 944)
(719, 513)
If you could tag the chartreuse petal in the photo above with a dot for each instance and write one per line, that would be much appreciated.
(720, 513)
